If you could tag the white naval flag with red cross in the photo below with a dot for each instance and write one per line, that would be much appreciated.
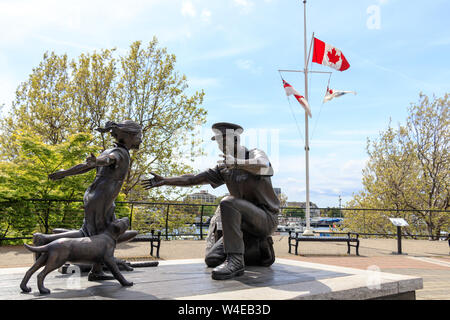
(291, 91)
(331, 94)
(328, 55)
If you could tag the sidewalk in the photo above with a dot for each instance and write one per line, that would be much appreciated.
(427, 259)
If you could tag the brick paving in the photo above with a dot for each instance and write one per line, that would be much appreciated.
(436, 282)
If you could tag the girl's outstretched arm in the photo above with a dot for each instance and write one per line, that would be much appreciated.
(91, 163)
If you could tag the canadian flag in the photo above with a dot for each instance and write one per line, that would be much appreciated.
(291, 91)
(329, 56)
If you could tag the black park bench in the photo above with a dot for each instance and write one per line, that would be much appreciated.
(154, 239)
(351, 237)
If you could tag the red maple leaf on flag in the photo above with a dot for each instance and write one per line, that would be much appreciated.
(333, 57)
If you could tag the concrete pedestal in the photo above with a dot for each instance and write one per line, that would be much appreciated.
(191, 280)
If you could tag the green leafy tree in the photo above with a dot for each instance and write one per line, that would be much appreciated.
(26, 178)
(152, 93)
(408, 168)
(293, 212)
(41, 107)
(93, 93)
(62, 98)
(51, 125)
(177, 219)
(332, 212)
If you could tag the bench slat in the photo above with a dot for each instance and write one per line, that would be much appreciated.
(306, 238)
(297, 238)
(145, 239)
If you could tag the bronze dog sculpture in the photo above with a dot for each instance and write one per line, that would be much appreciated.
(96, 249)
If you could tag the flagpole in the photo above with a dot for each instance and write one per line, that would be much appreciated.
(308, 231)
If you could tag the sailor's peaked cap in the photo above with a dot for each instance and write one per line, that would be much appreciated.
(222, 128)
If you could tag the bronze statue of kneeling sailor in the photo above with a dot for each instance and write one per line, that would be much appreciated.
(248, 214)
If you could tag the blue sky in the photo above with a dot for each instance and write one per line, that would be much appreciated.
(233, 48)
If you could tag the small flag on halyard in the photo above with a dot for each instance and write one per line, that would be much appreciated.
(328, 55)
(331, 94)
(301, 99)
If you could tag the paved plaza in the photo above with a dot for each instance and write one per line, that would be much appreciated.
(428, 260)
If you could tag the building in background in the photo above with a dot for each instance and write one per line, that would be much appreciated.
(313, 208)
(203, 196)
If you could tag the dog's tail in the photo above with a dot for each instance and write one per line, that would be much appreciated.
(36, 249)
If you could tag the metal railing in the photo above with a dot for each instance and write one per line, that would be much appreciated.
(20, 219)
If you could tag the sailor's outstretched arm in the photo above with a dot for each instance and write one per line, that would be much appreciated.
(187, 180)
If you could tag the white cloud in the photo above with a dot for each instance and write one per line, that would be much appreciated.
(25, 18)
(206, 15)
(248, 65)
(244, 64)
(330, 176)
(245, 6)
(187, 9)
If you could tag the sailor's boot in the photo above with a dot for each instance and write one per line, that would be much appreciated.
(97, 274)
(216, 255)
(232, 267)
